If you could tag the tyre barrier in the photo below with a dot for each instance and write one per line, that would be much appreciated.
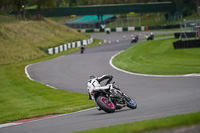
(185, 34)
(67, 46)
(186, 44)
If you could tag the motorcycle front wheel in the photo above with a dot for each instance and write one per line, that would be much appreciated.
(105, 104)
(130, 102)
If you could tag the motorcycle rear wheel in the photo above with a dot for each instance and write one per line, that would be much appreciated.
(104, 104)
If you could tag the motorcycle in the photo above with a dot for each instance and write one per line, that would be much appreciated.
(150, 37)
(135, 39)
(82, 49)
(113, 99)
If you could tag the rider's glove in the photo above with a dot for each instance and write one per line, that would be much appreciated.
(109, 86)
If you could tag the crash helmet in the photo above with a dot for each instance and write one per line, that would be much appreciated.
(92, 77)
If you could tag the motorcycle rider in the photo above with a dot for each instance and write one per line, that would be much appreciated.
(82, 49)
(94, 83)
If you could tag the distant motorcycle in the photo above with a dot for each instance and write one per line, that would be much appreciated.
(82, 49)
(111, 99)
(150, 37)
(135, 39)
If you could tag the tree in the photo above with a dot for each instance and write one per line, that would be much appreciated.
(19, 6)
(13, 5)
(2, 4)
(198, 7)
(43, 4)
(72, 3)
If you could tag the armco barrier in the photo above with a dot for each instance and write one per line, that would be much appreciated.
(117, 29)
(67, 46)
(186, 44)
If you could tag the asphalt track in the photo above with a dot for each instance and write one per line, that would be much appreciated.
(156, 96)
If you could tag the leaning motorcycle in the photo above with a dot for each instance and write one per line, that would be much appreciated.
(113, 99)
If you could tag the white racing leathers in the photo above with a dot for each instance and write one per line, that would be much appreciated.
(94, 84)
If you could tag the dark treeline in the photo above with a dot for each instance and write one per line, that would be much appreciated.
(99, 2)
(18, 6)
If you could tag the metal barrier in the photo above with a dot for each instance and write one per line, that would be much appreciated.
(67, 46)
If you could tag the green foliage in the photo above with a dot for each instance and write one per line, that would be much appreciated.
(45, 3)
(153, 19)
(32, 7)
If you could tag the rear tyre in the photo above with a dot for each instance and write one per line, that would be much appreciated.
(104, 104)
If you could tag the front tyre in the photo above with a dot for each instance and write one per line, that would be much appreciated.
(130, 102)
(105, 104)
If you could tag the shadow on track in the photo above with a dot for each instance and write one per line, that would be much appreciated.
(117, 111)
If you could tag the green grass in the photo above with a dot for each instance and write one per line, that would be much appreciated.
(159, 57)
(22, 98)
(163, 35)
(150, 125)
(6, 18)
(175, 29)
(22, 43)
(26, 40)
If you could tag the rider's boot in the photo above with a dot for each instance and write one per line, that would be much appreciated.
(98, 108)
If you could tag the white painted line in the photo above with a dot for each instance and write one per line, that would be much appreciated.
(147, 75)
(60, 115)
(26, 71)
(8, 124)
(27, 74)
(51, 86)
(13, 124)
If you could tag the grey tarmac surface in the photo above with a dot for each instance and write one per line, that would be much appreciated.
(156, 97)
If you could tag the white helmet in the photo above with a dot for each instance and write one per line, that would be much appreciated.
(92, 77)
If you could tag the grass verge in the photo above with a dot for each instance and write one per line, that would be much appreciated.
(163, 35)
(150, 125)
(160, 58)
(26, 40)
(21, 98)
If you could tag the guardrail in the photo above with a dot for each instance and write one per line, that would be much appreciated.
(67, 46)
(117, 29)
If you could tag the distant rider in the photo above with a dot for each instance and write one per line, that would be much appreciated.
(82, 49)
